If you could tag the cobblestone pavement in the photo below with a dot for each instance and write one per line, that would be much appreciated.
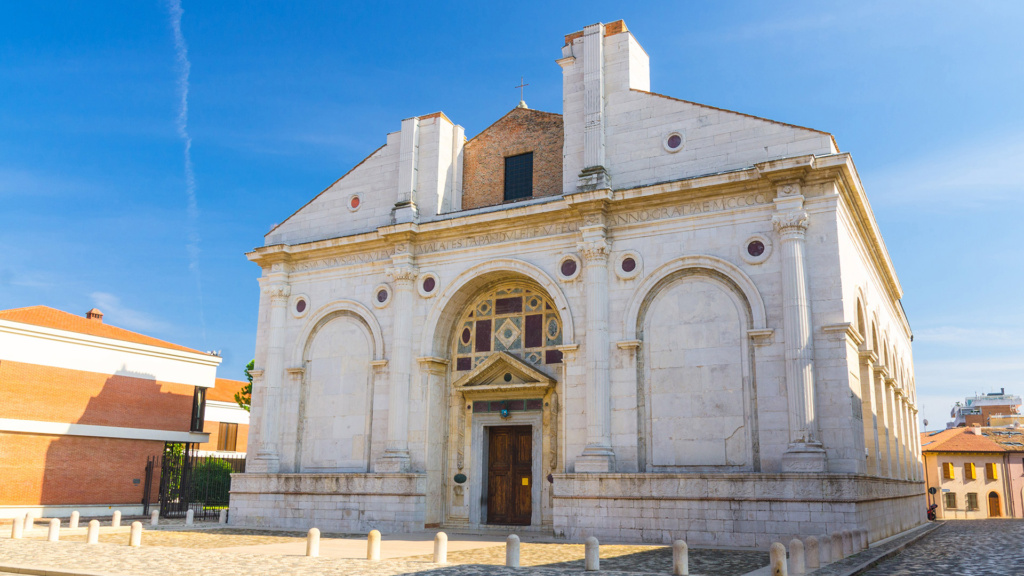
(180, 553)
(962, 548)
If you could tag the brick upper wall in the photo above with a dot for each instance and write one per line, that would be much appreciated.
(45, 393)
(520, 131)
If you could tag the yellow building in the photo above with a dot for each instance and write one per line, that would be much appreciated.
(967, 471)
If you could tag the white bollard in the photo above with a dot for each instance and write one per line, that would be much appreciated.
(53, 534)
(811, 554)
(837, 547)
(857, 547)
(796, 556)
(373, 545)
(93, 536)
(115, 520)
(73, 522)
(313, 543)
(865, 540)
(154, 518)
(777, 556)
(591, 554)
(17, 527)
(135, 538)
(223, 518)
(190, 517)
(680, 559)
(512, 551)
(441, 548)
(30, 521)
(847, 543)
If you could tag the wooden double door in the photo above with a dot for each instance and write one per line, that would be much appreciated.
(509, 475)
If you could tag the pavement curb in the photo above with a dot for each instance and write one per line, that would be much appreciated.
(19, 569)
(871, 563)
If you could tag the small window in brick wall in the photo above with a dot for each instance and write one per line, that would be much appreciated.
(519, 176)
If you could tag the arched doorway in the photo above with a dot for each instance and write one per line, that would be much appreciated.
(994, 510)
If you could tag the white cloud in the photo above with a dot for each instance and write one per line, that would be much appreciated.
(123, 317)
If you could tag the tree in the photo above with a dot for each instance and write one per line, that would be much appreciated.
(244, 396)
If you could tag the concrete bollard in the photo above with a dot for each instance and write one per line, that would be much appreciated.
(313, 543)
(796, 556)
(135, 538)
(825, 549)
(811, 555)
(680, 559)
(30, 521)
(53, 534)
(855, 535)
(847, 543)
(154, 518)
(223, 518)
(591, 554)
(837, 547)
(17, 527)
(190, 517)
(441, 548)
(93, 536)
(115, 520)
(512, 551)
(73, 522)
(865, 541)
(777, 557)
(373, 545)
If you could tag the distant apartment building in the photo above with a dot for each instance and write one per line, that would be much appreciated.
(974, 473)
(977, 411)
(84, 405)
(227, 423)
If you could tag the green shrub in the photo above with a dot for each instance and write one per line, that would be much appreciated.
(211, 482)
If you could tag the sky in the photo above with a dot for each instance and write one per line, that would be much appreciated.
(144, 150)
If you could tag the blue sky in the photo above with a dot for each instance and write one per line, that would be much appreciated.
(284, 97)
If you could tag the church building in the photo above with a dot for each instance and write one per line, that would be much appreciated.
(641, 319)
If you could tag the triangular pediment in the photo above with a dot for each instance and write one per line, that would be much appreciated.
(503, 370)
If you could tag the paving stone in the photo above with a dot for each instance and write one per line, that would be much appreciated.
(963, 548)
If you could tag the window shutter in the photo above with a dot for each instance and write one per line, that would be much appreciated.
(947, 470)
(969, 471)
(990, 469)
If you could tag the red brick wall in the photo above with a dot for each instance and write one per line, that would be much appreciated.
(55, 470)
(33, 392)
(520, 131)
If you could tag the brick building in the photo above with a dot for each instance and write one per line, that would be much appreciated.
(979, 410)
(226, 422)
(83, 405)
(975, 471)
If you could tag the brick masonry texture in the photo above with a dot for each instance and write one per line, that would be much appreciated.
(520, 131)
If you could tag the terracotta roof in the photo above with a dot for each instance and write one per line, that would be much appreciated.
(59, 320)
(957, 440)
(1011, 439)
(224, 390)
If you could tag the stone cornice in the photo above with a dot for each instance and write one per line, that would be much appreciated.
(843, 330)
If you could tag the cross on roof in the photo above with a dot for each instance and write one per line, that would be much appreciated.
(522, 85)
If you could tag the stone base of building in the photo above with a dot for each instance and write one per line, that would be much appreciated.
(330, 502)
(747, 510)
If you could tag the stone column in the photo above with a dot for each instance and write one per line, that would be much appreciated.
(908, 444)
(403, 274)
(598, 455)
(594, 176)
(918, 460)
(884, 422)
(869, 411)
(268, 459)
(894, 451)
(805, 452)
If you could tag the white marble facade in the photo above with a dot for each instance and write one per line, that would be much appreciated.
(735, 364)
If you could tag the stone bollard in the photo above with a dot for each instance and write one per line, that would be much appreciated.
(441, 548)
(825, 549)
(73, 522)
(855, 535)
(847, 543)
(680, 559)
(30, 521)
(512, 551)
(93, 536)
(17, 527)
(190, 517)
(373, 545)
(796, 556)
(591, 554)
(223, 518)
(53, 534)
(837, 547)
(811, 554)
(115, 520)
(865, 541)
(313, 543)
(154, 518)
(135, 538)
(777, 557)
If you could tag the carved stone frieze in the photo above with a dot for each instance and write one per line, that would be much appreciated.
(795, 220)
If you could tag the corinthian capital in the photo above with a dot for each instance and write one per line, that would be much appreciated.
(278, 293)
(790, 221)
(402, 274)
(594, 250)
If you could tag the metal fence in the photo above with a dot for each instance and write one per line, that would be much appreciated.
(189, 481)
